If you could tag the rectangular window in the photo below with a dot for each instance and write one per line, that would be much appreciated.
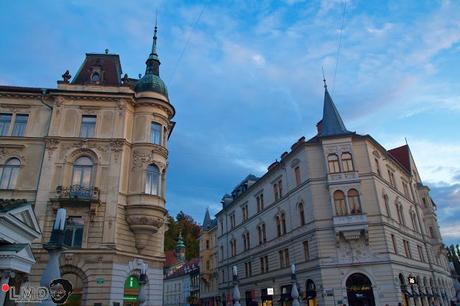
(297, 176)
(232, 220)
(264, 264)
(393, 240)
(275, 191)
(248, 269)
(284, 258)
(306, 251)
(155, 133)
(420, 253)
(405, 189)
(260, 202)
(221, 253)
(207, 244)
(88, 126)
(5, 121)
(73, 234)
(377, 166)
(20, 124)
(407, 248)
(391, 178)
(280, 188)
(244, 211)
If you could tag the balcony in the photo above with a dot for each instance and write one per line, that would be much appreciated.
(77, 196)
(351, 227)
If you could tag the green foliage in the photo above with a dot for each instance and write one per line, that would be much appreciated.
(190, 232)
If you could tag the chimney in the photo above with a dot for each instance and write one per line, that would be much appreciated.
(319, 127)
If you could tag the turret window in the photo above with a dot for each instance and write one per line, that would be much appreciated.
(347, 162)
(9, 173)
(333, 163)
(339, 203)
(155, 133)
(353, 202)
(152, 181)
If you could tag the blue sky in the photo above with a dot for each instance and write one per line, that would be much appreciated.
(249, 83)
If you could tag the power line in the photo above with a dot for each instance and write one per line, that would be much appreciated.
(186, 44)
(340, 43)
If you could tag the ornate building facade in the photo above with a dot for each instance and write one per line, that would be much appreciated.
(355, 219)
(96, 145)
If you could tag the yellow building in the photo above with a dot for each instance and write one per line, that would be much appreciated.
(97, 146)
(209, 292)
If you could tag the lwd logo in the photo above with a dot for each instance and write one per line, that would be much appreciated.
(59, 291)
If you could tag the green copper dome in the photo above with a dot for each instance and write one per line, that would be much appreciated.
(152, 82)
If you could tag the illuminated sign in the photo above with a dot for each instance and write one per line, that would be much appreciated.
(269, 291)
(412, 280)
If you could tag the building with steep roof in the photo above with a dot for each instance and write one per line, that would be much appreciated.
(355, 219)
(96, 145)
(209, 294)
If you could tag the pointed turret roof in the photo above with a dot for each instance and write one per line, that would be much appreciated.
(151, 81)
(207, 219)
(332, 123)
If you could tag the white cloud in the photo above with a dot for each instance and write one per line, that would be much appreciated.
(451, 231)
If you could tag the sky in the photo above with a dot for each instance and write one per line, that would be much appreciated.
(246, 78)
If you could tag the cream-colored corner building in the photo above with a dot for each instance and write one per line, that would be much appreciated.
(97, 146)
(209, 293)
(354, 218)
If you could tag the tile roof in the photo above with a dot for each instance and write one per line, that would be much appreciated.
(108, 64)
(402, 155)
(332, 123)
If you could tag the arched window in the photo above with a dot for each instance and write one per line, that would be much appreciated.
(310, 294)
(353, 202)
(387, 207)
(152, 180)
(339, 203)
(347, 162)
(333, 163)
(95, 77)
(301, 214)
(82, 172)
(9, 173)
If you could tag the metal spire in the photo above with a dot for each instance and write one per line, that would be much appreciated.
(154, 45)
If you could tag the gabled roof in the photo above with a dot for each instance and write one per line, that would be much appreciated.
(331, 124)
(402, 155)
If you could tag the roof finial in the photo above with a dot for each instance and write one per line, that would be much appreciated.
(324, 78)
(154, 46)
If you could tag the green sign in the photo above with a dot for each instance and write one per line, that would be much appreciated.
(100, 281)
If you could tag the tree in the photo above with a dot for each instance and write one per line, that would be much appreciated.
(190, 230)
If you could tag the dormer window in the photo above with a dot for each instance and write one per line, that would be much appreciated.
(95, 77)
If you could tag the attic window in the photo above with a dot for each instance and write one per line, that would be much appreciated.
(95, 77)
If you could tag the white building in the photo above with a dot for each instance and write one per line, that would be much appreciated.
(355, 218)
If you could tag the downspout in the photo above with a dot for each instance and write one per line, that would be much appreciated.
(42, 96)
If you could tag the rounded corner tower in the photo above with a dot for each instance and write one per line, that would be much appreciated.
(152, 126)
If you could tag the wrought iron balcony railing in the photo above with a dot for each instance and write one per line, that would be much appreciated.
(78, 193)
